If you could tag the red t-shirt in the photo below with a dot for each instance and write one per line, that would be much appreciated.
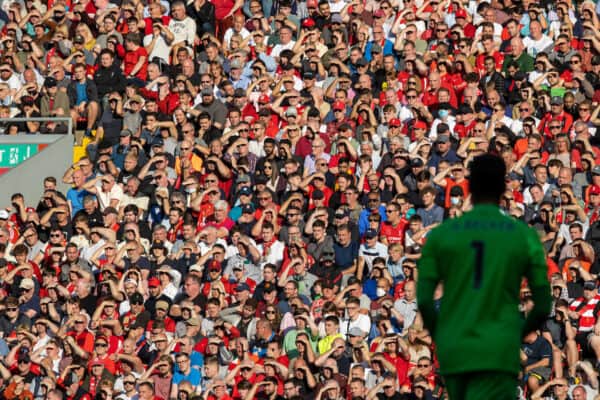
(393, 234)
(132, 58)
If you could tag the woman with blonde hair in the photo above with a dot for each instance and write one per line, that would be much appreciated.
(89, 41)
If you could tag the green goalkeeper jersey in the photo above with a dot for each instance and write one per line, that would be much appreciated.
(480, 258)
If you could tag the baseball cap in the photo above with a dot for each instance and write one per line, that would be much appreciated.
(136, 99)
(308, 75)
(78, 39)
(379, 13)
(336, 18)
(247, 209)
(125, 133)
(341, 213)
(50, 82)
(207, 92)
(136, 298)
(416, 162)
(556, 100)
(245, 191)
(595, 171)
(309, 23)
(317, 194)
(196, 268)
(162, 305)
(356, 331)
(460, 13)
(419, 125)
(4, 214)
(153, 282)
(236, 64)
(339, 105)
(241, 287)
(394, 122)
(443, 139)
(370, 234)
(27, 283)
(158, 141)
(362, 62)
(375, 48)
(291, 112)
(244, 178)
(589, 285)
(194, 321)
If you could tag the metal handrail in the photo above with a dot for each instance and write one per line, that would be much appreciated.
(68, 120)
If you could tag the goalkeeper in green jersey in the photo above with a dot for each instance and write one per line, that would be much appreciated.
(480, 258)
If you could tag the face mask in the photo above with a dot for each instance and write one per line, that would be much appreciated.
(443, 113)
(454, 200)
(380, 292)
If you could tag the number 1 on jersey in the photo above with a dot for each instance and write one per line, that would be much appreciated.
(478, 246)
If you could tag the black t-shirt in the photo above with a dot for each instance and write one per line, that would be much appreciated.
(538, 350)
(112, 125)
(141, 263)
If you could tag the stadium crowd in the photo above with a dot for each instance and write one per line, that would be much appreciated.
(260, 177)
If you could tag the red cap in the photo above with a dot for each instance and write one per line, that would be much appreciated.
(339, 105)
(312, 3)
(379, 13)
(308, 23)
(460, 13)
(96, 361)
(264, 99)
(101, 337)
(595, 189)
(153, 282)
(420, 125)
(394, 122)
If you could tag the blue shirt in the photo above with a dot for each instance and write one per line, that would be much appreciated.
(76, 198)
(193, 377)
(81, 93)
(388, 49)
(363, 219)
(345, 256)
(431, 216)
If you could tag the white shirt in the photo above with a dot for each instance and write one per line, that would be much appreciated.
(104, 198)
(271, 255)
(362, 322)
(161, 49)
(278, 48)
(535, 46)
(184, 30)
(230, 32)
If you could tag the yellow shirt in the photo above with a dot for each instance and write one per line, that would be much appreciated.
(325, 343)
